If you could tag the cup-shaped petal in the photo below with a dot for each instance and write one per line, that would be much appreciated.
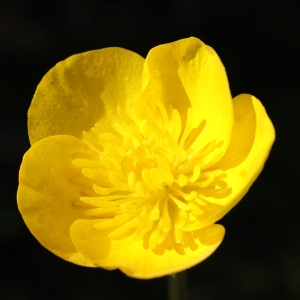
(84, 89)
(136, 260)
(133, 161)
(188, 73)
(46, 194)
(252, 137)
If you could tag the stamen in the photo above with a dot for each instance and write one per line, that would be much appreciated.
(115, 151)
(196, 174)
(128, 143)
(194, 134)
(109, 162)
(92, 142)
(134, 131)
(148, 180)
(111, 138)
(187, 129)
(185, 196)
(181, 218)
(131, 180)
(108, 223)
(166, 175)
(144, 178)
(196, 210)
(104, 191)
(143, 225)
(162, 237)
(175, 124)
(170, 141)
(164, 152)
(153, 241)
(101, 211)
(203, 184)
(141, 190)
(182, 180)
(153, 130)
(154, 214)
(124, 117)
(200, 201)
(121, 129)
(180, 154)
(96, 175)
(151, 114)
(117, 182)
(120, 219)
(178, 234)
(181, 205)
(156, 178)
(164, 115)
(123, 229)
(198, 154)
(166, 222)
(193, 227)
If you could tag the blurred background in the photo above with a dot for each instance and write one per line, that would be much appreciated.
(258, 42)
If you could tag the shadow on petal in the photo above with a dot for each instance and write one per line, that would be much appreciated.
(94, 244)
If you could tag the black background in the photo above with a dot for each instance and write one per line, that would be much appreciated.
(258, 42)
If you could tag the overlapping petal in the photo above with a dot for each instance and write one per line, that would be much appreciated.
(46, 194)
(205, 82)
(188, 73)
(135, 258)
(218, 144)
(84, 89)
(252, 137)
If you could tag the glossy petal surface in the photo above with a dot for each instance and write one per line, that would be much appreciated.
(188, 73)
(252, 137)
(156, 152)
(46, 194)
(205, 82)
(136, 259)
(82, 90)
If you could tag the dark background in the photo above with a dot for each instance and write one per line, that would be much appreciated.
(258, 42)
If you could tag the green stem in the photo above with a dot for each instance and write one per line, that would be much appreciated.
(177, 286)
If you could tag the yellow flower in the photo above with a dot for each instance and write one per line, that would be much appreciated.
(132, 161)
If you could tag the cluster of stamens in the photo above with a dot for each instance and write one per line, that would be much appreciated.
(147, 176)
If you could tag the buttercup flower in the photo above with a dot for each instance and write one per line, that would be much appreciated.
(132, 161)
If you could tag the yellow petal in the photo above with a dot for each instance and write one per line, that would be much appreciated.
(189, 73)
(46, 194)
(205, 82)
(252, 138)
(84, 89)
(135, 259)
(93, 243)
(161, 82)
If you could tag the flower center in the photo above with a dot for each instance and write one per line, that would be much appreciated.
(147, 175)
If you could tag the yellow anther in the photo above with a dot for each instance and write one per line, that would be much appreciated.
(141, 190)
(157, 178)
(182, 180)
(145, 176)
(196, 174)
(117, 182)
(148, 180)
(131, 180)
(164, 115)
(109, 137)
(104, 191)
(175, 124)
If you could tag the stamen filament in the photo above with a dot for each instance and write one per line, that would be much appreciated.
(144, 177)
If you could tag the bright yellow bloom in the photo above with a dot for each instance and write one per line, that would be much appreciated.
(132, 161)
